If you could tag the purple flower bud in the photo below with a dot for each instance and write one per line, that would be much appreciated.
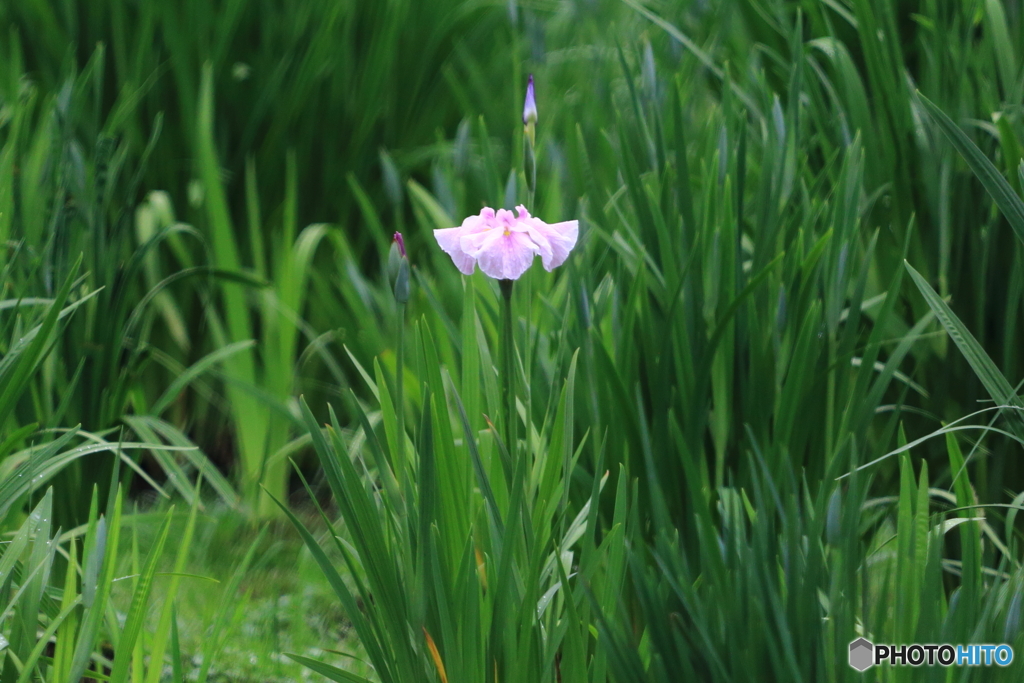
(530, 105)
(398, 269)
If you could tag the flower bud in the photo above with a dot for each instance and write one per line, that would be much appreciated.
(398, 269)
(529, 137)
(530, 105)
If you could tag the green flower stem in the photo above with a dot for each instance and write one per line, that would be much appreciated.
(400, 464)
(508, 379)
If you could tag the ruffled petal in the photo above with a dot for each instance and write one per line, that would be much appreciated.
(504, 218)
(474, 243)
(540, 238)
(449, 241)
(562, 238)
(508, 256)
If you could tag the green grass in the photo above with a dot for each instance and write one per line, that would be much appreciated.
(741, 385)
(238, 617)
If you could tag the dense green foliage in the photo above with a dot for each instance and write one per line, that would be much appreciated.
(745, 435)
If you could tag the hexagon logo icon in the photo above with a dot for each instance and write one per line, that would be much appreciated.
(861, 654)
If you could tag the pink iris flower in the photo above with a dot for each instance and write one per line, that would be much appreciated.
(504, 244)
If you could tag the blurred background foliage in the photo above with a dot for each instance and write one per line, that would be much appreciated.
(749, 176)
(344, 112)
